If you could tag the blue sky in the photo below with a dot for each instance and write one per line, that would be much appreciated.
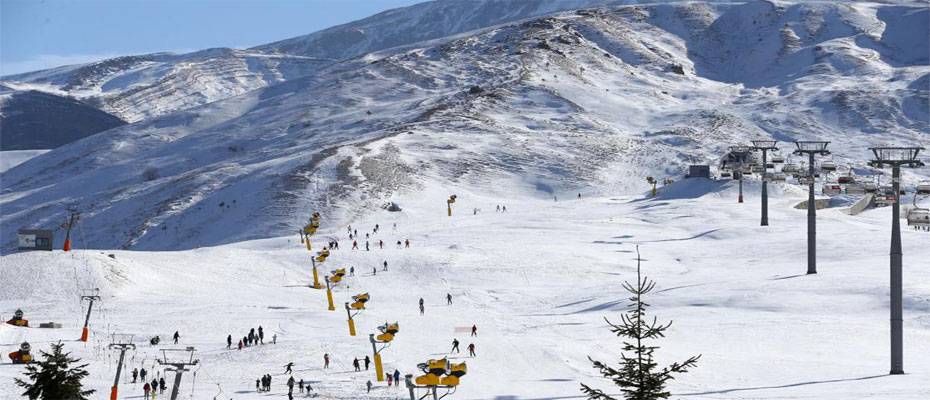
(37, 34)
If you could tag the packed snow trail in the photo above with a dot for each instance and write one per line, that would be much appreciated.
(537, 281)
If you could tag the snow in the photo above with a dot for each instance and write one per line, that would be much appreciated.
(12, 158)
(537, 281)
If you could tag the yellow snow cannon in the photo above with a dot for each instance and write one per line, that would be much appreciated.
(360, 301)
(433, 370)
(321, 256)
(17, 319)
(337, 276)
(456, 371)
(387, 332)
(22, 356)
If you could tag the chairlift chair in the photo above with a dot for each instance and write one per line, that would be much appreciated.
(923, 187)
(778, 159)
(832, 189)
(828, 166)
(919, 218)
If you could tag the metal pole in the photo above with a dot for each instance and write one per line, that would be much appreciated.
(765, 192)
(408, 380)
(740, 187)
(177, 383)
(119, 368)
(897, 334)
(811, 221)
(89, 307)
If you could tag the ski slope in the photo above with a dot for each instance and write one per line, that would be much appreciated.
(537, 281)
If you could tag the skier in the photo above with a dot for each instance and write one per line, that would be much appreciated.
(407, 243)
(498, 209)
(474, 330)
(142, 373)
(368, 384)
(366, 236)
(385, 265)
(135, 373)
(455, 346)
(398, 244)
(355, 364)
(176, 337)
(261, 335)
(366, 246)
(355, 245)
(228, 342)
(389, 379)
(376, 227)
(146, 389)
(449, 298)
(154, 387)
(395, 226)
(240, 344)
(161, 385)
(300, 385)
(351, 271)
(274, 339)
(503, 208)
(367, 362)
(251, 335)
(380, 244)
(326, 361)
(421, 306)
(287, 367)
(397, 377)
(374, 271)
(471, 349)
(290, 386)
(258, 387)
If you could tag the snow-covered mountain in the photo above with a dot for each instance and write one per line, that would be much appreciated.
(138, 87)
(142, 86)
(587, 100)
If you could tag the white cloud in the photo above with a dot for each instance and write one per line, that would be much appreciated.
(46, 61)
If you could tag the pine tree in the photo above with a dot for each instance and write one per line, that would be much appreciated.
(638, 375)
(54, 379)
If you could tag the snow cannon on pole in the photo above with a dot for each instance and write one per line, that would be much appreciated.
(437, 374)
(896, 157)
(386, 337)
(652, 181)
(449, 203)
(316, 275)
(17, 319)
(68, 225)
(121, 343)
(357, 306)
(330, 282)
(90, 295)
(22, 356)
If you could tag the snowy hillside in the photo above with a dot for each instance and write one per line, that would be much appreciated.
(35, 120)
(137, 87)
(593, 100)
(537, 281)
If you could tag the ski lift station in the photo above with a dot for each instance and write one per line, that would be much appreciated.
(35, 239)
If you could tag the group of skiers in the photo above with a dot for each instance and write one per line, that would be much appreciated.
(157, 386)
(471, 346)
(251, 339)
(263, 384)
(354, 237)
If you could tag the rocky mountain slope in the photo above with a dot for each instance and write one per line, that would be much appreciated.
(587, 100)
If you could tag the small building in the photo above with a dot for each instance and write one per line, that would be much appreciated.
(35, 239)
(699, 171)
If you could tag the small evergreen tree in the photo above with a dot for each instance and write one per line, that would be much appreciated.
(638, 375)
(54, 378)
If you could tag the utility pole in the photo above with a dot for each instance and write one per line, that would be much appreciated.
(90, 295)
(811, 148)
(70, 224)
(122, 343)
(179, 366)
(896, 157)
(764, 146)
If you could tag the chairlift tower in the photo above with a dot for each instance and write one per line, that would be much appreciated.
(742, 155)
(896, 157)
(811, 149)
(121, 343)
(90, 295)
(179, 365)
(764, 146)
